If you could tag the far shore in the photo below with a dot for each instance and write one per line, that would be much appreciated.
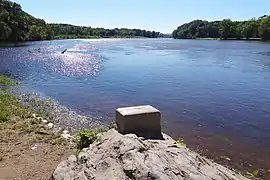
(66, 37)
(228, 39)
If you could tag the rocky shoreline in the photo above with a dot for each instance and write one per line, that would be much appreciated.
(117, 156)
(60, 115)
(112, 156)
(36, 135)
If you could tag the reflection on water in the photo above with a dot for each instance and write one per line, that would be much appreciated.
(216, 94)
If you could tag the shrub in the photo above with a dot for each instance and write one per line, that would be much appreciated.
(84, 138)
(6, 81)
(180, 142)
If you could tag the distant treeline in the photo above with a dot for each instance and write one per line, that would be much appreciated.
(225, 29)
(71, 31)
(17, 25)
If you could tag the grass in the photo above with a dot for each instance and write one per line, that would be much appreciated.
(29, 127)
(7, 81)
(11, 106)
(16, 118)
(180, 142)
(254, 174)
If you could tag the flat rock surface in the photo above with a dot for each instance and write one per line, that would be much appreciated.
(122, 157)
(137, 110)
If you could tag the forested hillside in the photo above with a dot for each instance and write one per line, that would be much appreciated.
(17, 25)
(225, 29)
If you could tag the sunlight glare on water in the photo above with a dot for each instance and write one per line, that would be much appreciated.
(214, 94)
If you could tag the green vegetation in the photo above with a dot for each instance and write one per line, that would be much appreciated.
(68, 31)
(26, 126)
(84, 138)
(180, 142)
(11, 106)
(264, 28)
(6, 81)
(75, 37)
(254, 174)
(17, 116)
(226, 29)
(17, 25)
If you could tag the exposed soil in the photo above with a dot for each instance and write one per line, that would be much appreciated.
(30, 150)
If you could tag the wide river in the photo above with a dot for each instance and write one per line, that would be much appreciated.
(214, 94)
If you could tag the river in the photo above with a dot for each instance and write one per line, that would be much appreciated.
(214, 94)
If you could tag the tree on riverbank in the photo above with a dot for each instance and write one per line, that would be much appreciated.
(264, 29)
(225, 29)
(17, 25)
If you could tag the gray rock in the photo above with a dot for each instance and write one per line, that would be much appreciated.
(122, 157)
(44, 121)
(50, 125)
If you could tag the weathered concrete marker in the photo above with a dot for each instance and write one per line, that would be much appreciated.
(138, 119)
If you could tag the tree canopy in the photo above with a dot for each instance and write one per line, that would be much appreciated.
(17, 25)
(264, 28)
(71, 31)
(225, 29)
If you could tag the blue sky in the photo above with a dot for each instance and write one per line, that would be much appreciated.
(158, 15)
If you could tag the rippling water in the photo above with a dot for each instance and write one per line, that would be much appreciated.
(215, 94)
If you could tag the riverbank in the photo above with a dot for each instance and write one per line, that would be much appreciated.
(231, 39)
(29, 146)
(30, 149)
(61, 37)
(31, 137)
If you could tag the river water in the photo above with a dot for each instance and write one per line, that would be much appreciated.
(214, 94)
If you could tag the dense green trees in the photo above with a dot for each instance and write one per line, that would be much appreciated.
(249, 29)
(70, 31)
(225, 29)
(17, 25)
(197, 28)
(264, 28)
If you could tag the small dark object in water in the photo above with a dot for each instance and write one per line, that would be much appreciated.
(38, 49)
(264, 53)
(64, 51)
(29, 51)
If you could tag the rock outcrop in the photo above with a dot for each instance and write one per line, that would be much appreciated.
(121, 157)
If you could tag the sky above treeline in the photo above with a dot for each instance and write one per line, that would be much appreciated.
(158, 15)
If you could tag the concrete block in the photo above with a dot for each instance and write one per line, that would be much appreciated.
(138, 119)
